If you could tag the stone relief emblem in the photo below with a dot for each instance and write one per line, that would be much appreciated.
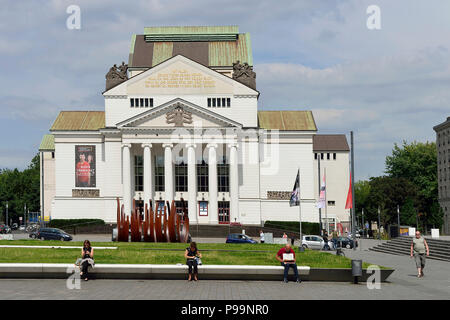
(116, 75)
(244, 74)
(179, 117)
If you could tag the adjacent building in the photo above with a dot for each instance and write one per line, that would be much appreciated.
(181, 121)
(443, 159)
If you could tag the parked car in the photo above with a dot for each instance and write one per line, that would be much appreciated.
(14, 226)
(239, 238)
(51, 234)
(345, 242)
(22, 228)
(4, 229)
(314, 242)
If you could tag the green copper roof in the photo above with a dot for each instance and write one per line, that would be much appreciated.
(213, 46)
(47, 143)
(192, 30)
(287, 120)
(79, 121)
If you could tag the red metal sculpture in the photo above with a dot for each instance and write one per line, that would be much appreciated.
(161, 226)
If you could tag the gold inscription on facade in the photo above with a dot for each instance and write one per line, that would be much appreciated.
(180, 78)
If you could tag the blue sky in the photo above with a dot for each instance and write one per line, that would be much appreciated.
(386, 85)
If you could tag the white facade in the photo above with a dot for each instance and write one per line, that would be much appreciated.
(261, 164)
(335, 167)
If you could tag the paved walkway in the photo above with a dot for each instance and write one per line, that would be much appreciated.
(212, 290)
(435, 283)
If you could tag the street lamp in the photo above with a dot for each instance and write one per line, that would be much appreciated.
(6, 222)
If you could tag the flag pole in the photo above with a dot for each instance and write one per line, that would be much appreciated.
(326, 203)
(299, 209)
(353, 192)
(319, 184)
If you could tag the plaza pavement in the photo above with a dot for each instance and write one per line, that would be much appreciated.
(403, 284)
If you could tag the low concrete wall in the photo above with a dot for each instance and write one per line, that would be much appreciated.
(154, 271)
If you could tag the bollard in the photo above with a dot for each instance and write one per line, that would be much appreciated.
(356, 270)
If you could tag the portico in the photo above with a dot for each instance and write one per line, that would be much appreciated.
(206, 191)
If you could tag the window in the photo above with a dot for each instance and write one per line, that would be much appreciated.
(219, 102)
(203, 208)
(321, 156)
(159, 173)
(224, 211)
(202, 177)
(53, 155)
(315, 156)
(160, 207)
(179, 209)
(141, 102)
(328, 156)
(138, 173)
(223, 177)
(181, 177)
(331, 203)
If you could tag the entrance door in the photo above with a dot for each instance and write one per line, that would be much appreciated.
(179, 209)
(224, 212)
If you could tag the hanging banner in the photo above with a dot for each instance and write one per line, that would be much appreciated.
(85, 164)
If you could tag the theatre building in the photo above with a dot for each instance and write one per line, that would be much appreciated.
(181, 121)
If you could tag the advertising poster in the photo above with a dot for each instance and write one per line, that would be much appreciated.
(85, 174)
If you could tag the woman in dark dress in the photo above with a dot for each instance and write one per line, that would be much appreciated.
(191, 254)
(87, 254)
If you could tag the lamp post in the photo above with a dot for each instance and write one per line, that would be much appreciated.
(379, 223)
(6, 222)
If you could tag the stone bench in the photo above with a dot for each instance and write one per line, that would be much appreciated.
(147, 271)
(161, 271)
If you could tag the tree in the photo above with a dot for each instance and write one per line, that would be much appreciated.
(362, 192)
(386, 193)
(417, 162)
(408, 213)
(20, 188)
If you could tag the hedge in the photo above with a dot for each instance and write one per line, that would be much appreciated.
(307, 227)
(64, 223)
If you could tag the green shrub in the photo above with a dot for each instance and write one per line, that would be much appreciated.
(294, 226)
(64, 223)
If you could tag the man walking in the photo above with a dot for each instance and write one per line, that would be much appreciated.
(286, 256)
(418, 247)
(261, 236)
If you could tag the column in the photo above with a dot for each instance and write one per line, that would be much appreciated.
(126, 176)
(213, 211)
(148, 187)
(168, 172)
(192, 183)
(234, 184)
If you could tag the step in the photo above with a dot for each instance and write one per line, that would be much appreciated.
(401, 252)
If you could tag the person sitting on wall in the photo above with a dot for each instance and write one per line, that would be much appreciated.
(87, 255)
(192, 255)
(286, 256)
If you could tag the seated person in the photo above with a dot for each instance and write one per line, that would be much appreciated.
(286, 256)
(191, 254)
